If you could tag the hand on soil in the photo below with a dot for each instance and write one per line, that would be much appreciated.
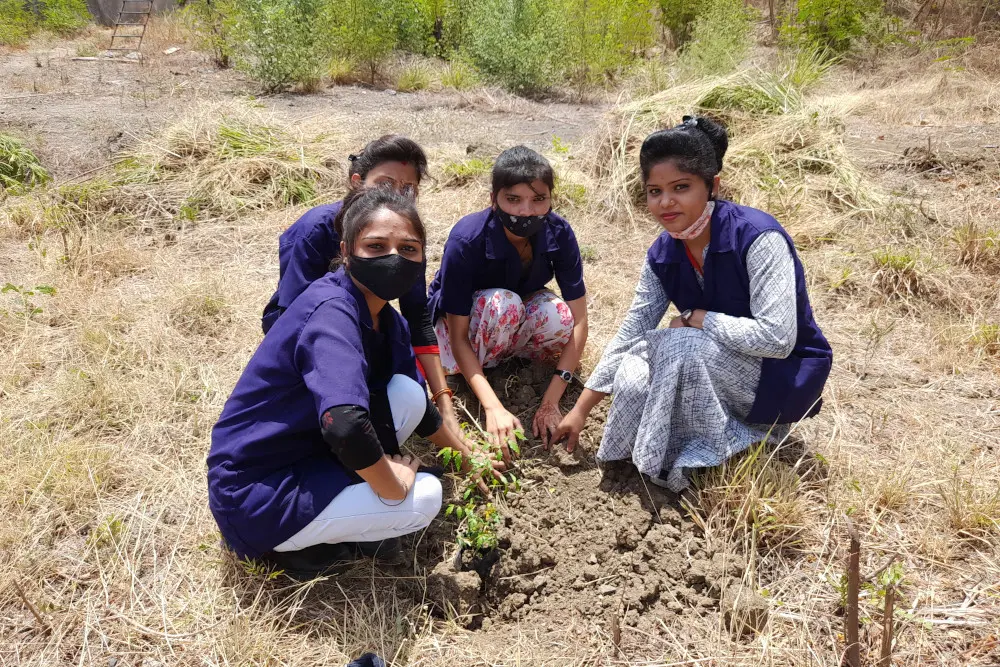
(569, 430)
(500, 426)
(545, 423)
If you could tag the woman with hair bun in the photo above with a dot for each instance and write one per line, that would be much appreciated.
(742, 361)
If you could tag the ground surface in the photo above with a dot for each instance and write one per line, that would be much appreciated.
(107, 397)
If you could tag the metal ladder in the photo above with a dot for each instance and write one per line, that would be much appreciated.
(130, 26)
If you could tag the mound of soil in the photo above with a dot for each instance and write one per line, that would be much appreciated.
(582, 544)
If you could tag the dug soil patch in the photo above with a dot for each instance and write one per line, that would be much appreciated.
(584, 548)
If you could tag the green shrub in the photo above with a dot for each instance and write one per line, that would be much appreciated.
(364, 32)
(836, 25)
(19, 168)
(603, 37)
(213, 22)
(720, 39)
(16, 22)
(678, 17)
(415, 21)
(64, 17)
(513, 42)
(280, 43)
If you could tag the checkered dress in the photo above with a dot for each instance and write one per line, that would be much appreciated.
(679, 395)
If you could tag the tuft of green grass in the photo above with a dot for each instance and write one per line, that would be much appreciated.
(757, 495)
(413, 78)
(976, 248)
(897, 274)
(972, 510)
(460, 76)
(462, 172)
(987, 338)
(296, 190)
(341, 71)
(568, 193)
(20, 169)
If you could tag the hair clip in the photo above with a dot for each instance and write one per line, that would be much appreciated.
(690, 121)
(352, 157)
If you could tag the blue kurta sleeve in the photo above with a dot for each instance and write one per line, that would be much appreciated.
(308, 260)
(568, 266)
(457, 283)
(331, 358)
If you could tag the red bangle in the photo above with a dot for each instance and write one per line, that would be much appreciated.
(442, 392)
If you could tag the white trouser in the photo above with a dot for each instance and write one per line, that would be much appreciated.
(357, 514)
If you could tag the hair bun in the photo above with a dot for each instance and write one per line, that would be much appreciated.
(715, 132)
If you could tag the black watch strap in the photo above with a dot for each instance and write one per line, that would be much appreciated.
(565, 376)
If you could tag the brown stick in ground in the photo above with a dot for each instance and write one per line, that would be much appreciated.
(887, 627)
(853, 584)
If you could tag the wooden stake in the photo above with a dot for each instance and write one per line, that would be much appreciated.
(888, 623)
(853, 585)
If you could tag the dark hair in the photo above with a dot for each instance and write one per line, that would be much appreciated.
(519, 165)
(388, 148)
(697, 146)
(360, 207)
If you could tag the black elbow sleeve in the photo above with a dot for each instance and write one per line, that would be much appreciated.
(349, 433)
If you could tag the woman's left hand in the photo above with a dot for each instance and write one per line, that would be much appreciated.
(546, 421)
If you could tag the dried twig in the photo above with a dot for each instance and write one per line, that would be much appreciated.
(34, 612)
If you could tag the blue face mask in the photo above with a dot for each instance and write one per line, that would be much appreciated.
(521, 225)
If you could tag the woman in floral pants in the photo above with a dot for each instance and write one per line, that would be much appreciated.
(503, 326)
(489, 301)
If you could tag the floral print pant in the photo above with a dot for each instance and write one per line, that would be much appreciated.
(502, 326)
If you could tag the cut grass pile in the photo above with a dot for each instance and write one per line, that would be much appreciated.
(20, 170)
(786, 155)
(222, 162)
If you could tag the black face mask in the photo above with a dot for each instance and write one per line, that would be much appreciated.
(521, 225)
(387, 277)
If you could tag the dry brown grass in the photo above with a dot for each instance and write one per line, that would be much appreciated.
(108, 394)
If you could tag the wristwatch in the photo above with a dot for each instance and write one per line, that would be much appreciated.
(686, 317)
(565, 376)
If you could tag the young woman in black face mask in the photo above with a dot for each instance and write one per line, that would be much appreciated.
(305, 461)
(489, 300)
